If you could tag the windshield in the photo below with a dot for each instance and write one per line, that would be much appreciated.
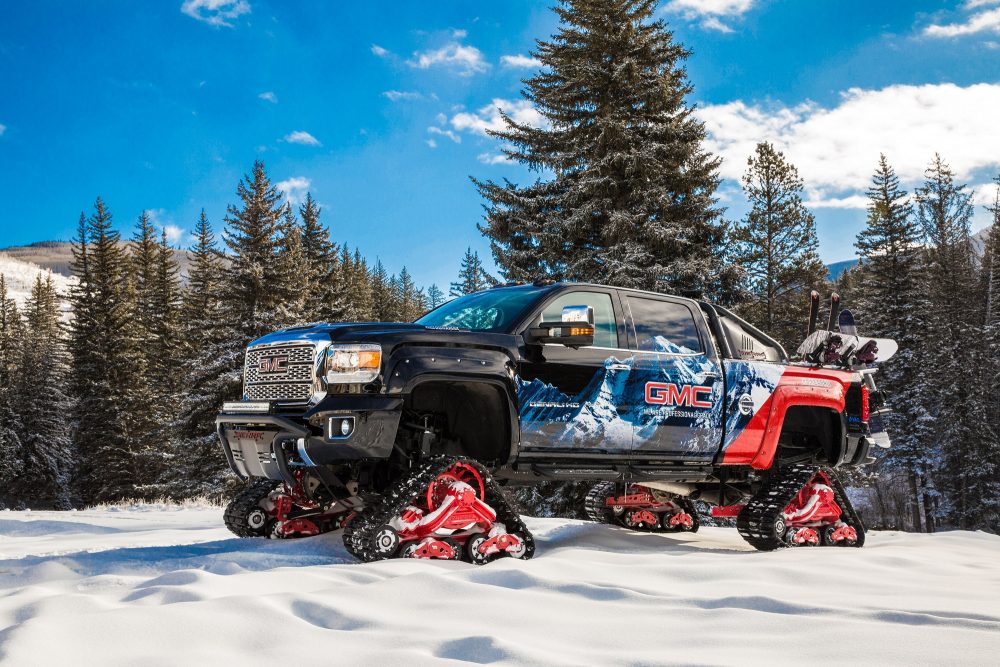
(496, 310)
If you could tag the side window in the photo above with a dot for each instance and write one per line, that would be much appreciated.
(605, 326)
(662, 326)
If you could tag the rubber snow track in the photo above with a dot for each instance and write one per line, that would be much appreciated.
(173, 587)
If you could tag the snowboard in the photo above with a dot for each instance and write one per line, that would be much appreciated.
(834, 347)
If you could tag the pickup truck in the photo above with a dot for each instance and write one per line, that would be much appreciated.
(405, 434)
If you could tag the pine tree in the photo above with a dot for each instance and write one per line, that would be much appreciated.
(955, 397)
(325, 290)
(109, 412)
(11, 339)
(890, 303)
(293, 273)
(357, 280)
(384, 307)
(776, 246)
(412, 302)
(632, 200)
(44, 406)
(435, 297)
(472, 277)
(199, 466)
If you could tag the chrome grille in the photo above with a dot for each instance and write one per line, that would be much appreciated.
(293, 383)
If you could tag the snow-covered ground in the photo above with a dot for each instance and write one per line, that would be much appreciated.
(20, 277)
(170, 586)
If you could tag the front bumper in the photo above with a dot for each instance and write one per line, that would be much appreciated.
(273, 444)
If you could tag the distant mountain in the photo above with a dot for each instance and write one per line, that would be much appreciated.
(838, 268)
(56, 256)
(20, 275)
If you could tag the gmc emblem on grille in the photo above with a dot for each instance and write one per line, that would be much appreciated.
(275, 363)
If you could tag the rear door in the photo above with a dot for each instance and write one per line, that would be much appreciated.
(682, 384)
(570, 399)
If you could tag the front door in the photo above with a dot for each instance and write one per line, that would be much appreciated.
(575, 399)
(676, 362)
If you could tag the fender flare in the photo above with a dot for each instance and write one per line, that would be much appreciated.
(786, 397)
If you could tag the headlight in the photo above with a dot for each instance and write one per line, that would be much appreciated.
(352, 363)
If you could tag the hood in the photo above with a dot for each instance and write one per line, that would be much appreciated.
(385, 333)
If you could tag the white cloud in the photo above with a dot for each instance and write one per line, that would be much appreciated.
(302, 137)
(973, 4)
(710, 12)
(161, 219)
(445, 133)
(269, 96)
(397, 95)
(520, 61)
(464, 59)
(379, 51)
(488, 117)
(174, 233)
(215, 12)
(835, 149)
(3, 128)
(432, 143)
(492, 158)
(459, 34)
(294, 189)
(983, 21)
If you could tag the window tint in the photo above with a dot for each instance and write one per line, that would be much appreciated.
(662, 326)
(605, 326)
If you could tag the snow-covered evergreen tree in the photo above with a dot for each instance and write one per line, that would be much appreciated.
(199, 466)
(43, 405)
(357, 286)
(412, 302)
(384, 304)
(953, 343)
(889, 302)
(631, 200)
(11, 340)
(776, 246)
(324, 300)
(472, 277)
(110, 407)
(293, 273)
(435, 297)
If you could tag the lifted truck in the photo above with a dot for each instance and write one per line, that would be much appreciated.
(404, 433)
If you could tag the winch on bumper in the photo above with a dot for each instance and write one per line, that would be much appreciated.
(262, 439)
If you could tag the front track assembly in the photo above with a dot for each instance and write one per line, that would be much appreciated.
(447, 508)
(800, 505)
(268, 508)
(641, 508)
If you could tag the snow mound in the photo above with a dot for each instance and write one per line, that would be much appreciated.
(173, 587)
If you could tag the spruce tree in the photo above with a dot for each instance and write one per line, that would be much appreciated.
(890, 303)
(776, 246)
(412, 302)
(359, 303)
(324, 299)
(632, 198)
(43, 405)
(109, 414)
(435, 297)
(383, 300)
(472, 277)
(199, 466)
(292, 279)
(953, 345)
(11, 342)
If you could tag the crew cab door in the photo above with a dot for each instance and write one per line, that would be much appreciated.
(569, 398)
(682, 382)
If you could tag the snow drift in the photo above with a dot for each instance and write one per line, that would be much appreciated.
(170, 586)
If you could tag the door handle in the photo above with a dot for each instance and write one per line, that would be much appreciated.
(705, 377)
(619, 367)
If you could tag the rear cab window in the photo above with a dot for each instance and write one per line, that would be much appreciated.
(662, 326)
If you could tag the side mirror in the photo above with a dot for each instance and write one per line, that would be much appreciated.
(576, 329)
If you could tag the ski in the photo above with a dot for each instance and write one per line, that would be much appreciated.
(834, 311)
(813, 312)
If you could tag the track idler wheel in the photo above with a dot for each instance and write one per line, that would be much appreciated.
(386, 542)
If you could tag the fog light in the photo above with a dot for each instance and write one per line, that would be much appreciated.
(340, 427)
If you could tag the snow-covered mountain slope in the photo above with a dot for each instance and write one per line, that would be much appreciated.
(20, 277)
(172, 587)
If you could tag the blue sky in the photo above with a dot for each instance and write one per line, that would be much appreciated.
(379, 108)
